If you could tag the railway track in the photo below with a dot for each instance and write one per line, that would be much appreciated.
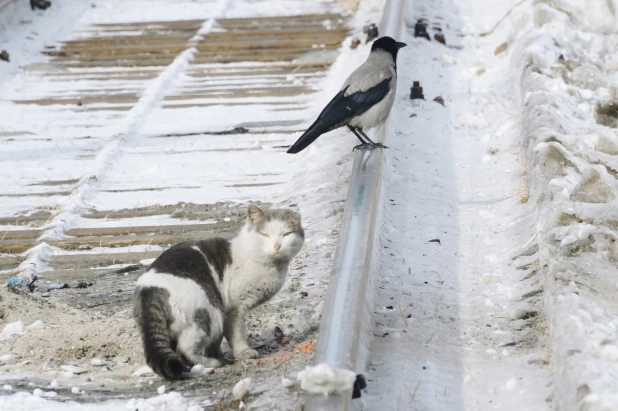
(448, 288)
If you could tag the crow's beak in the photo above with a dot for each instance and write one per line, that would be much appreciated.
(401, 45)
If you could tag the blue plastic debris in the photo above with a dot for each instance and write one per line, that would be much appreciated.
(18, 281)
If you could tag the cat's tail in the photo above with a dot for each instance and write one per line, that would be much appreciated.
(153, 316)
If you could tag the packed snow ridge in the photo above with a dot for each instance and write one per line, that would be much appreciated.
(567, 64)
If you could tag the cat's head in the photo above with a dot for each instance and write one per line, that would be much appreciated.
(277, 233)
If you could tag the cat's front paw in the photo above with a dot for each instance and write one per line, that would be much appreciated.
(246, 354)
(211, 363)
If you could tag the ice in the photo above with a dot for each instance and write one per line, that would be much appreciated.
(589, 77)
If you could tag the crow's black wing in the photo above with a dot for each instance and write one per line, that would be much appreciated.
(340, 111)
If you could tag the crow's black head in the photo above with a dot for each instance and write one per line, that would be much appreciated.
(389, 45)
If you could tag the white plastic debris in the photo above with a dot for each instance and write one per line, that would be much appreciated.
(241, 389)
(13, 328)
(74, 369)
(199, 369)
(286, 382)
(145, 370)
(99, 362)
(161, 390)
(76, 390)
(324, 379)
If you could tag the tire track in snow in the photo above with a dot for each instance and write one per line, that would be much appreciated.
(85, 189)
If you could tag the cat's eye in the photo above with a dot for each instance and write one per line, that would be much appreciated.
(286, 234)
(265, 235)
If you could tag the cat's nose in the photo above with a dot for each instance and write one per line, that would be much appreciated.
(277, 247)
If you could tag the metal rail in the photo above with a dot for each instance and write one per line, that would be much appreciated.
(345, 331)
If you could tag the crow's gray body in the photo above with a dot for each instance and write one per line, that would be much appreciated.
(364, 101)
(378, 67)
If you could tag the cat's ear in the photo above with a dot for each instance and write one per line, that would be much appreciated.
(255, 215)
(293, 218)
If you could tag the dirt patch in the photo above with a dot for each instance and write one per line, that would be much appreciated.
(607, 114)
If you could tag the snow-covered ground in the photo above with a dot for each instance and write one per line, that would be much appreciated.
(498, 275)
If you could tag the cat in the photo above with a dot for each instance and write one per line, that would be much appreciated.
(197, 292)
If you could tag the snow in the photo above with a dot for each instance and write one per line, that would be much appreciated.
(6, 358)
(325, 379)
(14, 328)
(517, 179)
(144, 370)
(73, 369)
(99, 362)
(172, 401)
(37, 325)
(558, 103)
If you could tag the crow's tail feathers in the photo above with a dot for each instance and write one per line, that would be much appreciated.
(308, 137)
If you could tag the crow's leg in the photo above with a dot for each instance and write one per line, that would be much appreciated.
(375, 145)
(363, 142)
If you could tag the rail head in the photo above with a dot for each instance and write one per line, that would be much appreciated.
(344, 338)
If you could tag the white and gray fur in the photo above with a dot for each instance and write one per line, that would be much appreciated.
(198, 292)
(365, 100)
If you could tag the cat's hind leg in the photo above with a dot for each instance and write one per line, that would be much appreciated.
(192, 344)
(197, 340)
(214, 350)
